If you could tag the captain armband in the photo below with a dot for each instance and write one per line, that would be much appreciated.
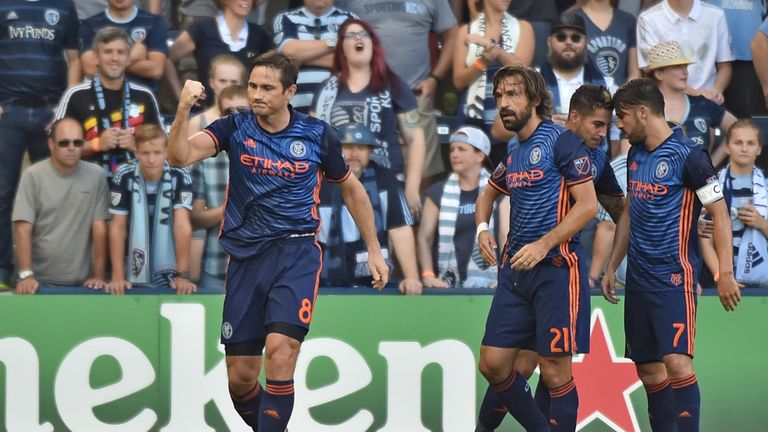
(710, 193)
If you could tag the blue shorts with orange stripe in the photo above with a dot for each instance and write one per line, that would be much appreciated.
(278, 285)
(658, 323)
(545, 309)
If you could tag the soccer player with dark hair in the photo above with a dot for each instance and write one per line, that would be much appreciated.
(670, 178)
(278, 158)
(541, 302)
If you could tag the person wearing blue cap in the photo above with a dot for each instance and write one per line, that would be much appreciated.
(344, 253)
(448, 253)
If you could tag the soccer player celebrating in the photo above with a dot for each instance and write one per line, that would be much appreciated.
(541, 302)
(669, 179)
(277, 159)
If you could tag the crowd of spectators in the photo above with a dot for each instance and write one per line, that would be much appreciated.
(85, 86)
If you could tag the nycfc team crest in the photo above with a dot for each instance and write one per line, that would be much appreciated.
(662, 169)
(226, 330)
(700, 124)
(607, 62)
(51, 16)
(535, 156)
(298, 149)
(138, 34)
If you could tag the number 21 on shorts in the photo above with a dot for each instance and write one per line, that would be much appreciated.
(560, 337)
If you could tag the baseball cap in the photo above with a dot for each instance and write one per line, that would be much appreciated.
(568, 20)
(356, 133)
(474, 137)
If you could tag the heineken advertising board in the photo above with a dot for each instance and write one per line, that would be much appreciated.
(371, 363)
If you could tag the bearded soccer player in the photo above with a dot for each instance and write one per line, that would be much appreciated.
(277, 161)
(670, 178)
(541, 303)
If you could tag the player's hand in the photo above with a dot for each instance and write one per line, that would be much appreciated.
(414, 202)
(728, 291)
(379, 269)
(125, 140)
(410, 286)
(528, 256)
(108, 140)
(491, 53)
(751, 217)
(487, 246)
(705, 227)
(183, 286)
(713, 94)
(478, 39)
(95, 283)
(118, 286)
(27, 286)
(609, 286)
(434, 282)
(192, 93)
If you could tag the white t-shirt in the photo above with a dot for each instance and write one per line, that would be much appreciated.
(703, 35)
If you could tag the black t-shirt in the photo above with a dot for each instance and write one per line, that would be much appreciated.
(464, 235)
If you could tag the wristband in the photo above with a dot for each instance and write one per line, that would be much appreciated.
(479, 65)
(428, 273)
(483, 226)
(95, 144)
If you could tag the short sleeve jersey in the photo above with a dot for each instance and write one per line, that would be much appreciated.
(536, 176)
(602, 172)
(609, 48)
(275, 178)
(123, 183)
(33, 37)
(664, 208)
(703, 114)
(144, 27)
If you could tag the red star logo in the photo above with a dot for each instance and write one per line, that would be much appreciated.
(605, 382)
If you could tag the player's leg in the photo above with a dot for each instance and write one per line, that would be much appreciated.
(244, 387)
(510, 326)
(677, 335)
(281, 353)
(557, 376)
(642, 347)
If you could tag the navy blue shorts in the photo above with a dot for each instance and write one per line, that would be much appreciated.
(545, 309)
(279, 285)
(659, 323)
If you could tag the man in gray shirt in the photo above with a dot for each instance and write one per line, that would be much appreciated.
(60, 216)
(404, 28)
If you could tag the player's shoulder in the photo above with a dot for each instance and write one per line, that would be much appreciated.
(91, 170)
(75, 91)
(124, 172)
(135, 87)
(306, 124)
(182, 175)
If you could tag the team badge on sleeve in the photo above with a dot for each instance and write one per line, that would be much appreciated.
(582, 165)
(186, 198)
(115, 198)
(500, 170)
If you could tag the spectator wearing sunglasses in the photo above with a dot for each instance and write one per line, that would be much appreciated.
(55, 195)
(308, 36)
(210, 178)
(568, 67)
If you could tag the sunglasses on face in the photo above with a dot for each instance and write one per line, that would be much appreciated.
(233, 110)
(562, 37)
(66, 142)
(362, 33)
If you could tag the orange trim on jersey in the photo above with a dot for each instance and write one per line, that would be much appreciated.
(497, 187)
(316, 198)
(344, 177)
(563, 205)
(686, 222)
(215, 140)
(224, 205)
(317, 276)
(575, 182)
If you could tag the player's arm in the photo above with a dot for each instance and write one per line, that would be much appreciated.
(204, 217)
(618, 252)
(183, 151)
(359, 206)
(99, 255)
(425, 240)
(118, 230)
(613, 205)
(417, 149)
(483, 211)
(182, 240)
(405, 250)
(74, 72)
(23, 238)
(727, 288)
(583, 210)
(152, 66)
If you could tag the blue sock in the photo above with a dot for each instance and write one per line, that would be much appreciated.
(492, 412)
(688, 403)
(277, 406)
(247, 405)
(515, 394)
(541, 396)
(661, 407)
(563, 407)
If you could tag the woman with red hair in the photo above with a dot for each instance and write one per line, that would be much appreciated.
(364, 90)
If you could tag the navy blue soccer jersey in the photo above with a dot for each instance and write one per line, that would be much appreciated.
(602, 172)
(536, 176)
(702, 115)
(664, 208)
(274, 178)
(33, 38)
